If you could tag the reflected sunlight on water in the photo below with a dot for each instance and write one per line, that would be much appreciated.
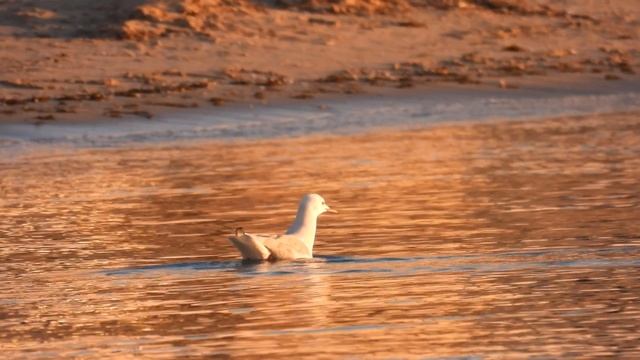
(493, 240)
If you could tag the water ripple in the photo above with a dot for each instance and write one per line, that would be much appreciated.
(491, 240)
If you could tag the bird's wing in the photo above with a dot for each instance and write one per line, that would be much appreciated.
(252, 246)
(287, 247)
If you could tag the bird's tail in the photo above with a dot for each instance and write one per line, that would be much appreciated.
(250, 247)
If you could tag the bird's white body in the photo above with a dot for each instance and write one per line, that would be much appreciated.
(295, 243)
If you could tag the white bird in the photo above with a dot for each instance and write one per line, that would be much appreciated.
(296, 243)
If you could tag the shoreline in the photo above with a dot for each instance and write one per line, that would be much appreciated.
(396, 109)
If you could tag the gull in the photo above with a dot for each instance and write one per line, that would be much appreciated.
(295, 243)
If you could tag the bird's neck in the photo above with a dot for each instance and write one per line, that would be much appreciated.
(304, 227)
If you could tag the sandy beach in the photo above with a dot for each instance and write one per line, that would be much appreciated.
(82, 61)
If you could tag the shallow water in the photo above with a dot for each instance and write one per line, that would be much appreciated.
(492, 240)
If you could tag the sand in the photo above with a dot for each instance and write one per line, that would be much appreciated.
(82, 61)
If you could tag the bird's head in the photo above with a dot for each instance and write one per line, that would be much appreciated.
(315, 204)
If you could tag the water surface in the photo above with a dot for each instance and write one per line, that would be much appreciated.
(476, 241)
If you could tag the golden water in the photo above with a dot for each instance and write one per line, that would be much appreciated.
(494, 240)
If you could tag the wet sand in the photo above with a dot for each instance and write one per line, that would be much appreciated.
(80, 61)
(500, 239)
(397, 109)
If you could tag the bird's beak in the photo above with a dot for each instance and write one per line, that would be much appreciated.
(332, 210)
